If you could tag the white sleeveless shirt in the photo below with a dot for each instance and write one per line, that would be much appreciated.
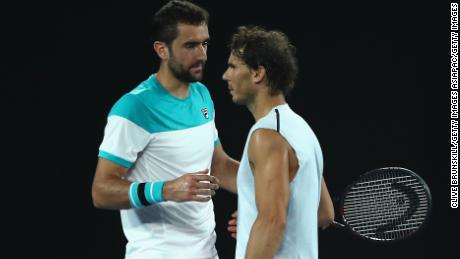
(301, 234)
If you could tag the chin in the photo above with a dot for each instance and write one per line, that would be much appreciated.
(197, 77)
(237, 101)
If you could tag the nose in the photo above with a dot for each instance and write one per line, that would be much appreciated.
(225, 76)
(203, 52)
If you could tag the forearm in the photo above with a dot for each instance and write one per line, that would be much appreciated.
(265, 238)
(326, 208)
(227, 174)
(111, 193)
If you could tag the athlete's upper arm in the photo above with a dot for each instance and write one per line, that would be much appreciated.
(106, 171)
(269, 158)
(109, 190)
(106, 168)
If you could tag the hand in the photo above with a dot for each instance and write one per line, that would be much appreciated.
(232, 224)
(198, 186)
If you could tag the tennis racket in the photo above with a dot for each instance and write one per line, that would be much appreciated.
(385, 204)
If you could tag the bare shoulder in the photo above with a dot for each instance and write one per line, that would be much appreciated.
(265, 141)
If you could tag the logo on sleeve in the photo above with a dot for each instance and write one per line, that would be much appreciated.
(205, 113)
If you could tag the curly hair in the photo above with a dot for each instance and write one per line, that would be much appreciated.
(257, 46)
(165, 21)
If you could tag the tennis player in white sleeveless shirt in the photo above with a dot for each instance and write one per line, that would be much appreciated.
(300, 236)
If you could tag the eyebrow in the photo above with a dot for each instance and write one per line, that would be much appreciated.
(195, 42)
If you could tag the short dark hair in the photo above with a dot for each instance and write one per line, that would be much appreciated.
(257, 46)
(165, 20)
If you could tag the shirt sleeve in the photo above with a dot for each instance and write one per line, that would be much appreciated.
(125, 136)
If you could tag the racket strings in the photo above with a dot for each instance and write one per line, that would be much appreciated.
(387, 206)
(362, 201)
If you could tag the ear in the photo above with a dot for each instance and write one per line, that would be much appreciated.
(161, 49)
(258, 75)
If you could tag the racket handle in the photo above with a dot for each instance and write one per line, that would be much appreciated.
(337, 224)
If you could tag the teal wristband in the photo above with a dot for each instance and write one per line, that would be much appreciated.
(158, 191)
(145, 194)
(148, 192)
(133, 196)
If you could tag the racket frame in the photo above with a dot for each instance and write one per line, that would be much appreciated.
(344, 223)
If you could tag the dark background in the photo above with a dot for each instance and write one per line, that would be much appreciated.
(373, 85)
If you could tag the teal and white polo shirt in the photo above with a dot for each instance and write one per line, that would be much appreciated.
(161, 137)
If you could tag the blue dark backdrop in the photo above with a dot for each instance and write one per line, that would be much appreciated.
(373, 85)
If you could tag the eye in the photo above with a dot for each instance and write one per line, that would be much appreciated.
(190, 45)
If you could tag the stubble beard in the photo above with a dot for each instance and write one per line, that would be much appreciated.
(183, 74)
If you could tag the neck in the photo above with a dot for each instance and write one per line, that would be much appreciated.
(173, 85)
(263, 103)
